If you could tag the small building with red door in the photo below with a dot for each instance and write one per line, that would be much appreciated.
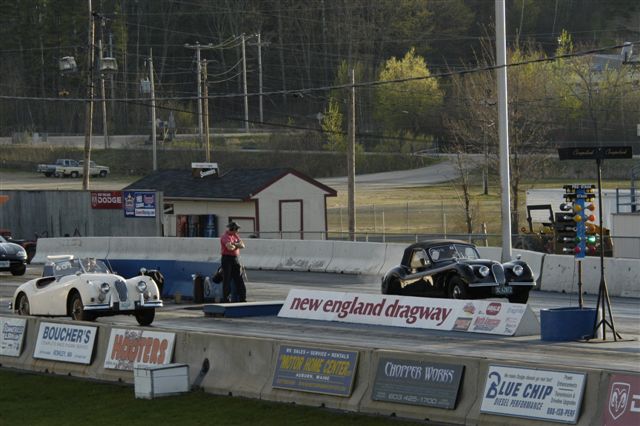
(266, 203)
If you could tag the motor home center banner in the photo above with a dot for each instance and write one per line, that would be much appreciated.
(477, 316)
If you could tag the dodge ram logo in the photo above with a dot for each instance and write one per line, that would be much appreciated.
(618, 399)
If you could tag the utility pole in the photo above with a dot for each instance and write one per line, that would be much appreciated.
(244, 81)
(153, 111)
(260, 44)
(103, 93)
(351, 163)
(197, 48)
(205, 101)
(503, 127)
(113, 89)
(88, 115)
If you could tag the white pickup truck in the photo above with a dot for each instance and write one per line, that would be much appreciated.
(56, 168)
(67, 167)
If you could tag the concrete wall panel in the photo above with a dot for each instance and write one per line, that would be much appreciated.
(299, 255)
(352, 257)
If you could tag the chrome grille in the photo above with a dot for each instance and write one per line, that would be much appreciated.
(498, 273)
(121, 288)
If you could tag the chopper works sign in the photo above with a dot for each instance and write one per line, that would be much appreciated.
(595, 153)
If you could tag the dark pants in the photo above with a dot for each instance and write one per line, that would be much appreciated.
(232, 280)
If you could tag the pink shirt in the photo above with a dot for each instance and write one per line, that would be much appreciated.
(229, 237)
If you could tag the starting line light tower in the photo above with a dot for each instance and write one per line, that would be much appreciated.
(599, 154)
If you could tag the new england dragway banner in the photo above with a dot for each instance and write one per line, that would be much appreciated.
(134, 348)
(476, 316)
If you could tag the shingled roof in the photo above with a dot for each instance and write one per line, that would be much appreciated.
(237, 184)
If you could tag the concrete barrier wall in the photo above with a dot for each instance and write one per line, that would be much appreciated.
(244, 366)
(302, 255)
(181, 257)
(263, 253)
(352, 257)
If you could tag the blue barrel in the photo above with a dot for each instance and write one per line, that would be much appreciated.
(567, 324)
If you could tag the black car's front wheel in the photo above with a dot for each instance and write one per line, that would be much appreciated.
(519, 296)
(145, 316)
(19, 270)
(457, 289)
(22, 305)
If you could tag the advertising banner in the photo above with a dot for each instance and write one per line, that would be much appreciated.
(477, 316)
(623, 401)
(417, 382)
(65, 342)
(12, 331)
(325, 371)
(533, 394)
(139, 204)
(136, 348)
(106, 200)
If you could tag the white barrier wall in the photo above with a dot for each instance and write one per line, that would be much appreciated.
(352, 257)
(553, 272)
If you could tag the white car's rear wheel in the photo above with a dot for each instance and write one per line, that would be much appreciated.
(22, 305)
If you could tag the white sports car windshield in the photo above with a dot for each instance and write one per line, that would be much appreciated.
(66, 267)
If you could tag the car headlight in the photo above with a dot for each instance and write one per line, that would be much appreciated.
(22, 254)
(484, 271)
(105, 287)
(142, 286)
(518, 270)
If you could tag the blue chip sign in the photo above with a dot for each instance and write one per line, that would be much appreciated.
(139, 203)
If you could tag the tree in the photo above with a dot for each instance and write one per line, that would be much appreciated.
(472, 124)
(332, 127)
(406, 106)
(595, 93)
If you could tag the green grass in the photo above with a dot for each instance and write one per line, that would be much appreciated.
(48, 400)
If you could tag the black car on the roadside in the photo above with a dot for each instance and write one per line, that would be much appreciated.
(454, 269)
(13, 257)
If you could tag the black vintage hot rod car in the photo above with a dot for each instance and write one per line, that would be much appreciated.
(454, 269)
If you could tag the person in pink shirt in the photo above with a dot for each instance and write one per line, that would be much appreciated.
(232, 280)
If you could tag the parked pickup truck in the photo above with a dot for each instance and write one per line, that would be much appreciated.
(78, 170)
(56, 168)
(72, 168)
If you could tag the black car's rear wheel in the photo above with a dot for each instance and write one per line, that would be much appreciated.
(457, 289)
(145, 316)
(22, 305)
(77, 309)
(391, 286)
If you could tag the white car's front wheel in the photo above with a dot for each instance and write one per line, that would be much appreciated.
(145, 316)
(77, 309)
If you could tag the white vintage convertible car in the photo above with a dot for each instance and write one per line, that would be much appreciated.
(85, 289)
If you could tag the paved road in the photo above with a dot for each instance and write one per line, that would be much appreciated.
(274, 285)
(437, 173)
